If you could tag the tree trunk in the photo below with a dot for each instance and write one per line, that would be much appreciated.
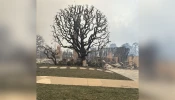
(54, 61)
(83, 61)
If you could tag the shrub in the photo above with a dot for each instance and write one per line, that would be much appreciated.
(95, 64)
(77, 63)
(60, 63)
(71, 62)
(68, 63)
(64, 61)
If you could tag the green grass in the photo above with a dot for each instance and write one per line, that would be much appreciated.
(67, 92)
(81, 73)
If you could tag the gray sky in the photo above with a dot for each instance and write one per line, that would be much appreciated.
(122, 17)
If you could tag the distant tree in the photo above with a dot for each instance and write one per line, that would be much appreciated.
(81, 28)
(127, 45)
(135, 46)
(134, 49)
(122, 54)
(113, 45)
(39, 44)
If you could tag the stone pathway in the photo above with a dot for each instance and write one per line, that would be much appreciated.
(132, 74)
(86, 82)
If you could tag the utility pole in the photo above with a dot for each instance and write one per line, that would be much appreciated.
(74, 2)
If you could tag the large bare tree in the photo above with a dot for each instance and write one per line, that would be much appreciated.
(80, 28)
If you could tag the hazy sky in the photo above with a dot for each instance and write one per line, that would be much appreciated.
(122, 17)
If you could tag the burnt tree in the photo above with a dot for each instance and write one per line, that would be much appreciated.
(51, 53)
(81, 28)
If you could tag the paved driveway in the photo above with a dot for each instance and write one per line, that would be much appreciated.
(132, 74)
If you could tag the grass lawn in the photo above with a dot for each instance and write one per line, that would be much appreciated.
(81, 73)
(67, 92)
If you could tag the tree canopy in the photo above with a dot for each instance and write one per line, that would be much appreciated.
(80, 28)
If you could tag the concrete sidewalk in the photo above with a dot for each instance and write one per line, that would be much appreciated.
(86, 82)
